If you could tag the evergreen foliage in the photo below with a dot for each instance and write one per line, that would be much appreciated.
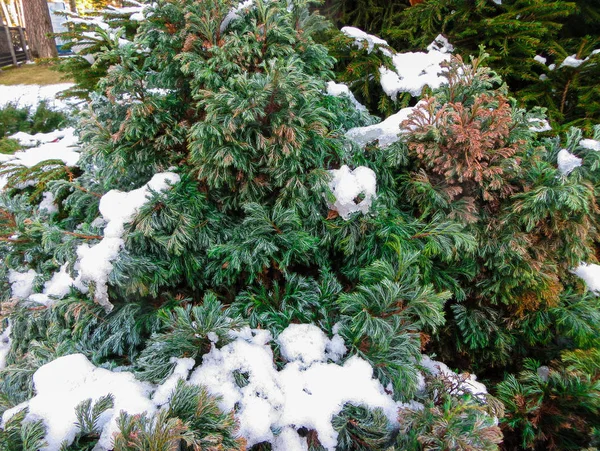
(44, 119)
(513, 32)
(465, 251)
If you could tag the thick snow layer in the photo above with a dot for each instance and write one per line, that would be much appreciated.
(306, 343)
(31, 95)
(590, 273)
(567, 162)
(385, 133)
(4, 345)
(21, 283)
(297, 396)
(348, 185)
(590, 144)
(94, 263)
(341, 90)
(470, 384)
(413, 71)
(65, 382)
(360, 36)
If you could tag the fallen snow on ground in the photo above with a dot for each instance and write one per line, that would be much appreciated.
(31, 95)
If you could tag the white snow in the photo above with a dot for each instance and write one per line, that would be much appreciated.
(440, 44)
(63, 383)
(360, 36)
(590, 144)
(341, 90)
(567, 162)
(47, 204)
(414, 71)
(572, 61)
(30, 95)
(470, 383)
(5, 345)
(21, 283)
(297, 396)
(347, 185)
(539, 125)
(163, 393)
(386, 132)
(306, 343)
(590, 273)
(60, 145)
(233, 14)
(540, 59)
(60, 283)
(94, 263)
(289, 440)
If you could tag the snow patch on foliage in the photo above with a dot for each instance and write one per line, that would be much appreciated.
(590, 273)
(306, 343)
(354, 190)
(385, 133)
(5, 345)
(590, 144)
(341, 90)
(21, 283)
(47, 204)
(233, 14)
(163, 393)
(539, 125)
(65, 382)
(297, 396)
(94, 263)
(469, 384)
(567, 162)
(58, 145)
(360, 36)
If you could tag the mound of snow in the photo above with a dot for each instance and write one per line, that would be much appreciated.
(65, 382)
(347, 187)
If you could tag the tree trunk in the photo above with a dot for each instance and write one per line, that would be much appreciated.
(73, 6)
(38, 25)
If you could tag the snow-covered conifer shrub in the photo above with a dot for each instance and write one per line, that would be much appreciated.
(212, 223)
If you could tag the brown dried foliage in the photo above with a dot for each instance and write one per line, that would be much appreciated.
(468, 145)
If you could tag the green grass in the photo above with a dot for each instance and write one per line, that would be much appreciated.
(31, 74)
